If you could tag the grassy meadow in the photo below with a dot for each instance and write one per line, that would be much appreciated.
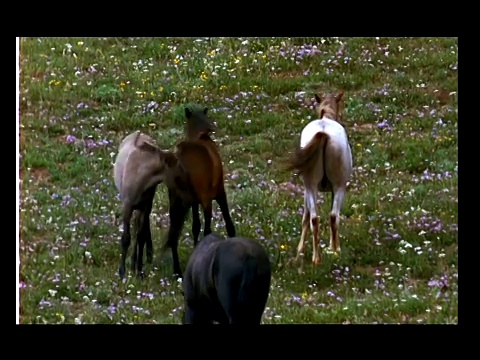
(399, 228)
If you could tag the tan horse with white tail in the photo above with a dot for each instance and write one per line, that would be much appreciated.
(324, 161)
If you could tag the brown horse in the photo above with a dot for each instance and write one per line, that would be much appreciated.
(200, 181)
(324, 161)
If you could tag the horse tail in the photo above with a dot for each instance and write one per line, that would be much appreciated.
(304, 158)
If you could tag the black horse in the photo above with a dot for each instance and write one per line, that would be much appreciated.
(226, 281)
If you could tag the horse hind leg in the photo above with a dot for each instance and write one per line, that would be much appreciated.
(178, 211)
(146, 224)
(317, 256)
(126, 238)
(195, 316)
(338, 197)
(311, 202)
(195, 223)
(305, 226)
(207, 217)
(221, 199)
(142, 227)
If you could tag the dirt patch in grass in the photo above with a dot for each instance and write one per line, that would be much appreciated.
(363, 127)
(280, 108)
(41, 174)
(61, 139)
(443, 96)
(288, 74)
(366, 269)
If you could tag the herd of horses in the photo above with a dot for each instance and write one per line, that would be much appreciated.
(226, 280)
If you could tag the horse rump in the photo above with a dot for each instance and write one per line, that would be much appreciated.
(227, 281)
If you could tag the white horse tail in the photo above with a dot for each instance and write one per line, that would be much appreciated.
(305, 158)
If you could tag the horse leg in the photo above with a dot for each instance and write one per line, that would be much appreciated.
(194, 317)
(338, 197)
(305, 223)
(137, 221)
(311, 203)
(178, 211)
(195, 223)
(146, 224)
(138, 256)
(221, 199)
(126, 237)
(145, 239)
(207, 217)
(144, 232)
(241, 304)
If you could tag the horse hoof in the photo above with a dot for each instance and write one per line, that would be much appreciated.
(141, 275)
(178, 276)
(121, 272)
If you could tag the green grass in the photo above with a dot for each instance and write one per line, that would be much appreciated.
(399, 232)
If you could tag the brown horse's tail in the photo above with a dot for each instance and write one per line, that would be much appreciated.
(304, 158)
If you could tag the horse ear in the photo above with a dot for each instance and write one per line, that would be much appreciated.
(205, 110)
(188, 112)
(319, 100)
(339, 96)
